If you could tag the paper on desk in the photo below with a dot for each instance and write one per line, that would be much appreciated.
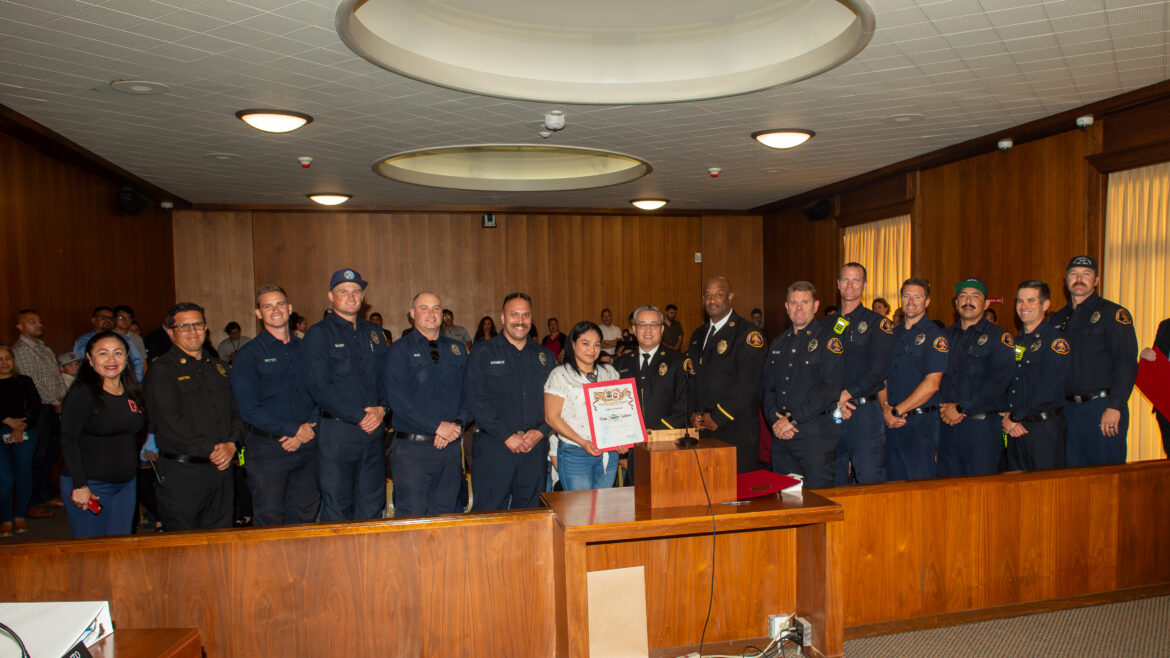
(52, 629)
(617, 613)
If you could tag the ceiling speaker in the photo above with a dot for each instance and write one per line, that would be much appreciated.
(131, 201)
(817, 208)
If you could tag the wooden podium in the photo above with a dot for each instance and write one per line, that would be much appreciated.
(670, 476)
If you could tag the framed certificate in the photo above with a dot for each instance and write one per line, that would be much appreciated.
(615, 416)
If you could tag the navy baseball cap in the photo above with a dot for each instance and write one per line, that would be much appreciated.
(971, 282)
(1082, 261)
(347, 276)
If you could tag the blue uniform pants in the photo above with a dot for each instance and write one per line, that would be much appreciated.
(812, 453)
(910, 448)
(16, 475)
(863, 443)
(283, 484)
(581, 471)
(973, 447)
(502, 479)
(119, 502)
(1041, 448)
(351, 472)
(1086, 445)
(426, 479)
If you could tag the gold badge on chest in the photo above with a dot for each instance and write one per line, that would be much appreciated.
(1094, 317)
(862, 327)
(920, 339)
(543, 360)
(661, 369)
(812, 345)
(455, 349)
(982, 340)
(721, 347)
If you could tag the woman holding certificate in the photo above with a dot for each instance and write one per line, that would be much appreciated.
(579, 463)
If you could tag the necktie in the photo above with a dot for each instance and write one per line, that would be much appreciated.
(645, 361)
(709, 335)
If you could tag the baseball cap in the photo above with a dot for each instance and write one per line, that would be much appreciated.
(1082, 261)
(66, 358)
(971, 282)
(347, 276)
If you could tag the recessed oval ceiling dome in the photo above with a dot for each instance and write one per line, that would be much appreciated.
(606, 51)
(512, 167)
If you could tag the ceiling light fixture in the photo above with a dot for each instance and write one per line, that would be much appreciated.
(139, 87)
(330, 198)
(648, 204)
(274, 121)
(783, 138)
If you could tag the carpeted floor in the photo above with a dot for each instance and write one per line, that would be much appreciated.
(1132, 629)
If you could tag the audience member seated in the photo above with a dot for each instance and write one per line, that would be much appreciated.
(235, 340)
(486, 330)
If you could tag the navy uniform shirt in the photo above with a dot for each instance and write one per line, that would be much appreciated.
(917, 352)
(344, 366)
(504, 387)
(979, 367)
(1103, 347)
(662, 387)
(868, 339)
(727, 371)
(423, 392)
(269, 383)
(191, 404)
(1041, 369)
(804, 374)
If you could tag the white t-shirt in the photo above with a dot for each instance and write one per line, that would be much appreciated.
(610, 332)
(568, 384)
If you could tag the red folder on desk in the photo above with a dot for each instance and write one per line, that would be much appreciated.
(1153, 379)
(761, 483)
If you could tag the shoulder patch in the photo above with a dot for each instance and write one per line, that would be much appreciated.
(1060, 346)
(940, 344)
(755, 339)
(689, 367)
(1123, 316)
(835, 346)
(1006, 339)
(887, 326)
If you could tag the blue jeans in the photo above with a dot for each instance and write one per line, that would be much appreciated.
(16, 475)
(579, 470)
(119, 502)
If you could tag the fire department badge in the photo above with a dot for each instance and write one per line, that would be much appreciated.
(1094, 317)
(887, 326)
(221, 369)
(1036, 346)
(940, 344)
(1006, 339)
(662, 369)
(920, 339)
(755, 339)
(1123, 316)
(455, 349)
(835, 346)
(862, 327)
(374, 337)
(1060, 346)
(721, 347)
(543, 359)
(982, 340)
(812, 345)
(689, 367)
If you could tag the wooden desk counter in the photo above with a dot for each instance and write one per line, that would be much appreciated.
(149, 643)
(771, 556)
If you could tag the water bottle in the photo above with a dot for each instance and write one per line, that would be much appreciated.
(837, 417)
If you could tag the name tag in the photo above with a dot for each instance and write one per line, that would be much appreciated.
(183, 378)
(498, 363)
(416, 355)
(272, 360)
(339, 344)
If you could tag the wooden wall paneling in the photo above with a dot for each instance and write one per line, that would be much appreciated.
(69, 248)
(795, 249)
(480, 585)
(732, 247)
(1137, 126)
(1004, 217)
(213, 268)
(571, 265)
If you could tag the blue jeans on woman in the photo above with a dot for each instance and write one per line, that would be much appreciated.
(579, 470)
(16, 475)
(119, 501)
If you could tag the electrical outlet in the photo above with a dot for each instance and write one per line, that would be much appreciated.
(777, 624)
(805, 630)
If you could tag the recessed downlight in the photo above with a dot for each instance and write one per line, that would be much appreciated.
(783, 138)
(274, 121)
(222, 157)
(139, 87)
(330, 198)
(649, 204)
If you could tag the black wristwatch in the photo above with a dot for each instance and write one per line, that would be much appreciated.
(894, 412)
(959, 408)
(458, 423)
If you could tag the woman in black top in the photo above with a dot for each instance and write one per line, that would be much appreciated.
(101, 419)
(486, 329)
(20, 407)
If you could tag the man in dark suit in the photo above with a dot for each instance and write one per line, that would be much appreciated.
(659, 373)
(727, 355)
(1162, 342)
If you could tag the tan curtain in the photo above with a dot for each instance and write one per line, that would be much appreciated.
(883, 247)
(1136, 274)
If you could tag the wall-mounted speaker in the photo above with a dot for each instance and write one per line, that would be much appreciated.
(131, 201)
(817, 208)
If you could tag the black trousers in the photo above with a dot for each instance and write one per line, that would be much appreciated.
(743, 433)
(426, 479)
(812, 453)
(194, 496)
(283, 484)
(1041, 448)
(502, 479)
(48, 449)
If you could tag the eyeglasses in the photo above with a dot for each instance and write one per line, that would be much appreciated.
(190, 326)
(434, 350)
(647, 325)
(123, 316)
